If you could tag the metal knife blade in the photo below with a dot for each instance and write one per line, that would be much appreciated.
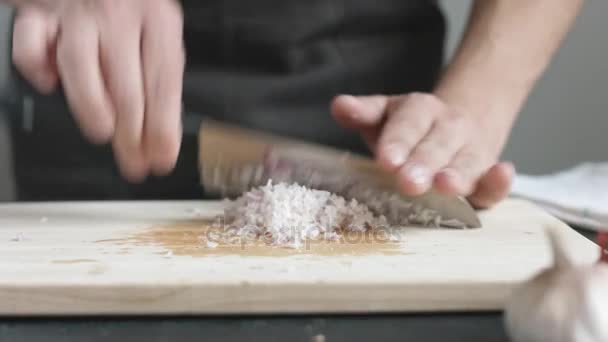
(233, 159)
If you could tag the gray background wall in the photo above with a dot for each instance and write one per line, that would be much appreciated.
(565, 119)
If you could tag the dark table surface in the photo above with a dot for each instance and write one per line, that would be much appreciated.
(486, 327)
(445, 328)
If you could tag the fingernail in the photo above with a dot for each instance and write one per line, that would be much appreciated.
(394, 155)
(417, 174)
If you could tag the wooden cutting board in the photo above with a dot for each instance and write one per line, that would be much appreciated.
(148, 258)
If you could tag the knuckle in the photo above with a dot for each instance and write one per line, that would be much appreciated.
(447, 130)
(454, 125)
(163, 139)
(413, 126)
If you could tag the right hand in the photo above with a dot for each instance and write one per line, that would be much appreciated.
(121, 66)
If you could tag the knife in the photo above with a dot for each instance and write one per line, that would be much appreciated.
(233, 159)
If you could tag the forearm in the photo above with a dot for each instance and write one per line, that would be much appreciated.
(507, 46)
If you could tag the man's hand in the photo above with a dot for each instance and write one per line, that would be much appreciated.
(121, 66)
(451, 140)
(429, 143)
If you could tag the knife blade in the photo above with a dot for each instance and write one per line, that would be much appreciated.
(234, 159)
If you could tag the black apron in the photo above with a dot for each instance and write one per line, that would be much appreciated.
(272, 65)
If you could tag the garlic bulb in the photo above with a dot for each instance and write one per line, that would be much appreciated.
(564, 303)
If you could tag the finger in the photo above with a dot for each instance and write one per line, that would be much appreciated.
(431, 155)
(163, 60)
(80, 72)
(359, 112)
(122, 71)
(462, 173)
(407, 123)
(494, 186)
(364, 114)
(34, 35)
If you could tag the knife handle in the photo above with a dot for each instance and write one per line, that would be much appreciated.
(18, 96)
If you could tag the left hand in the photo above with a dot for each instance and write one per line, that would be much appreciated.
(430, 143)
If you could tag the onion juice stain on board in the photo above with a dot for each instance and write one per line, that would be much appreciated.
(190, 238)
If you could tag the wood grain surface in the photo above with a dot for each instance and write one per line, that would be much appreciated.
(117, 258)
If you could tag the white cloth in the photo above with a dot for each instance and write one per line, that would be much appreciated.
(578, 195)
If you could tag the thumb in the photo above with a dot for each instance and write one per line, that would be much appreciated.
(34, 37)
(357, 112)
